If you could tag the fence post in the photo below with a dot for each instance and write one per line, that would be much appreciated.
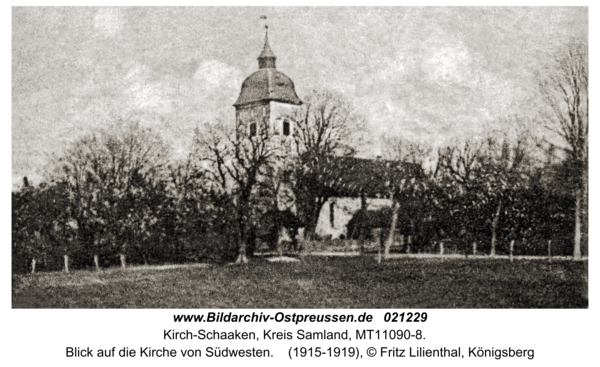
(512, 246)
(33, 265)
(301, 244)
(441, 248)
(66, 257)
(377, 233)
(550, 250)
(360, 245)
(474, 248)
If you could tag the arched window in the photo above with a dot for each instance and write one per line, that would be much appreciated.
(286, 127)
(253, 129)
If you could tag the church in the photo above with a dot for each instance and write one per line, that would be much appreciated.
(266, 101)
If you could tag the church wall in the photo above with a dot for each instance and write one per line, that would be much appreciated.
(269, 115)
(343, 212)
(254, 113)
(279, 111)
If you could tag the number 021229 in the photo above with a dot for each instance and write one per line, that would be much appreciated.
(405, 317)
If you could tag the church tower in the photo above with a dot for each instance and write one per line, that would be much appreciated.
(267, 100)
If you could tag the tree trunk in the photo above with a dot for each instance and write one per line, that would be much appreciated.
(96, 262)
(312, 218)
(241, 259)
(392, 235)
(377, 234)
(332, 214)
(577, 247)
(33, 265)
(494, 227)
(66, 257)
(122, 258)
(310, 229)
(409, 240)
(280, 242)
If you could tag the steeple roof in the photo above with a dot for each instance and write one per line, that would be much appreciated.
(266, 52)
(267, 84)
(267, 58)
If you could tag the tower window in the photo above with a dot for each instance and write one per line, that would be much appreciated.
(286, 128)
(253, 129)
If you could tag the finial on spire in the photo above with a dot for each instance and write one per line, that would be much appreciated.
(267, 57)
(264, 17)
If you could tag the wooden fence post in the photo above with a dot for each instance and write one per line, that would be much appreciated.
(392, 235)
(378, 233)
(512, 246)
(33, 265)
(474, 248)
(66, 257)
(550, 250)
(441, 248)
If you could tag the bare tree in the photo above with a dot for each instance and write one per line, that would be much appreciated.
(40, 221)
(460, 197)
(462, 160)
(406, 179)
(502, 170)
(107, 172)
(240, 167)
(478, 180)
(326, 125)
(564, 87)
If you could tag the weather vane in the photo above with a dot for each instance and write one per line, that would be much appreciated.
(264, 18)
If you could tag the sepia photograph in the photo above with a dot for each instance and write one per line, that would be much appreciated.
(299, 158)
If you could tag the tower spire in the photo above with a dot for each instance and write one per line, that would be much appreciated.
(267, 58)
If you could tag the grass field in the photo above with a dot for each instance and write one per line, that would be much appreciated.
(317, 282)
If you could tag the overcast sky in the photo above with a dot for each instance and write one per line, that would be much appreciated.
(421, 73)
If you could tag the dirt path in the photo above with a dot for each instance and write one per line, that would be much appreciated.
(433, 256)
(496, 257)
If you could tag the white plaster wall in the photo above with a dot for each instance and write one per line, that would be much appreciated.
(343, 212)
(279, 111)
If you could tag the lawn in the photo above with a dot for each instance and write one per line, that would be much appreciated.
(316, 282)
